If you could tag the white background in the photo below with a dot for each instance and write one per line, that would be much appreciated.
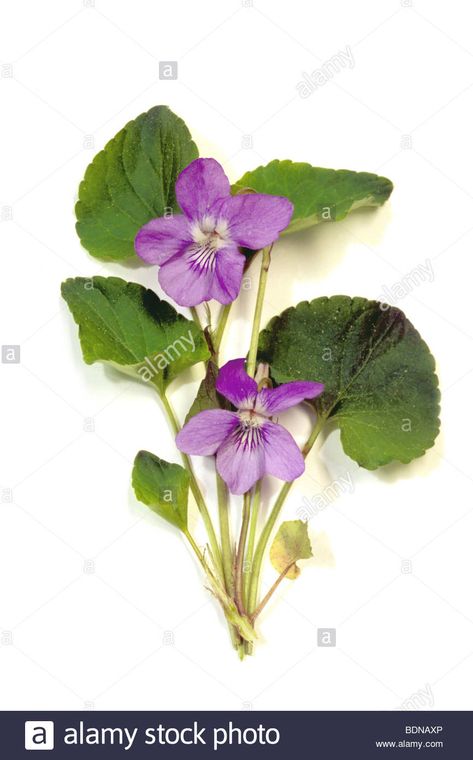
(92, 585)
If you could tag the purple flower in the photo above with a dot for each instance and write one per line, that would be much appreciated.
(197, 251)
(247, 443)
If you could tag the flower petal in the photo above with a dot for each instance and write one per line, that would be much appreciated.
(283, 458)
(240, 459)
(199, 186)
(255, 220)
(273, 400)
(236, 385)
(229, 264)
(162, 238)
(188, 277)
(206, 431)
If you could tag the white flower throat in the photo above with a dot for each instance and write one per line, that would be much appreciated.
(210, 234)
(251, 419)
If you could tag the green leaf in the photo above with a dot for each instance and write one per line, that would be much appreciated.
(318, 195)
(207, 395)
(380, 382)
(162, 486)
(132, 181)
(128, 326)
(291, 543)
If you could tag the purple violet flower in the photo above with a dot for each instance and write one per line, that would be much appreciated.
(247, 443)
(197, 251)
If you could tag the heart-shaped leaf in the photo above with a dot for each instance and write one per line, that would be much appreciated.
(162, 486)
(291, 543)
(318, 195)
(132, 181)
(380, 382)
(128, 326)
(207, 395)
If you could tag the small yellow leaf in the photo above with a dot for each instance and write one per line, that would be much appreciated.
(290, 544)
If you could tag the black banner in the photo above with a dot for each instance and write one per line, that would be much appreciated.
(324, 735)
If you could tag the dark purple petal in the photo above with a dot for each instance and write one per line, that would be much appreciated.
(240, 459)
(234, 383)
(206, 431)
(229, 264)
(274, 400)
(188, 277)
(199, 186)
(283, 458)
(162, 238)
(255, 220)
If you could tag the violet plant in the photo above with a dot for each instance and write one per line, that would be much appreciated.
(355, 363)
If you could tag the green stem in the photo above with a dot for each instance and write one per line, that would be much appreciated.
(245, 519)
(240, 627)
(227, 555)
(196, 549)
(227, 549)
(273, 516)
(271, 591)
(195, 317)
(222, 323)
(263, 277)
(197, 493)
(255, 505)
